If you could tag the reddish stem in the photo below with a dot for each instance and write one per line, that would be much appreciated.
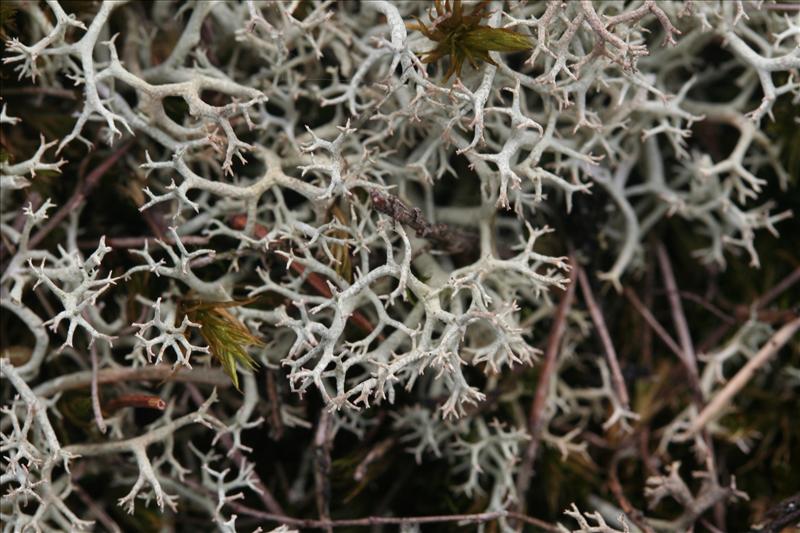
(316, 281)
(146, 401)
(536, 416)
(80, 194)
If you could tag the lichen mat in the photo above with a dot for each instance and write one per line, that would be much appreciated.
(327, 265)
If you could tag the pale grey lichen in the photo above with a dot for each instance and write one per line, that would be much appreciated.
(311, 112)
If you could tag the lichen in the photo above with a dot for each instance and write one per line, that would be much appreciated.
(296, 261)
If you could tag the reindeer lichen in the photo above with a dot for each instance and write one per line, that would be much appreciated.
(518, 264)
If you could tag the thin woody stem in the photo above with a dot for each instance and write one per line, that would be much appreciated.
(80, 194)
(263, 492)
(723, 398)
(536, 416)
(477, 518)
(651, 320)
(778, 288)
(77, 380)
(147, 401)
(442, 235)
(687, 353)
(605, 337)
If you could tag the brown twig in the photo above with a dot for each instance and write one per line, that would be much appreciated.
(625, 504)
(316, 281)
(463, 519)
(708, 306)
(647, 330)
(778, 7)
(737, 383)
(650, 464)
(714, 338)
(446, 237)
(709, 526)
(264, 493)
(651, 320)
(688, 356)
(377, 452)
(77, 380)
(323, 442)
(743, 312)
(276, 422)
(536, 418)
(689, 359)
(780, 516)
(778, 288)
(6, 247)
(156, 224)
(46, 91)
(78, 197)
(144, 401)
(108, 523)
(605, 337)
